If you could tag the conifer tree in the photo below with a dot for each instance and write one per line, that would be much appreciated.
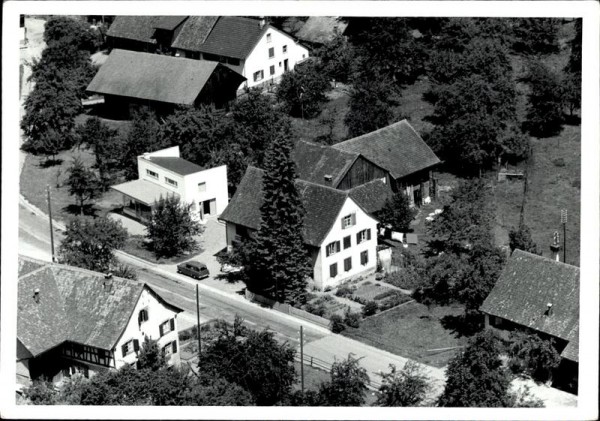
(279, 261)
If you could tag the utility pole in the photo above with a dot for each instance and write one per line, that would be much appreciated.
(50, 219)
(198, 324)
(302, 358)
(563, 220)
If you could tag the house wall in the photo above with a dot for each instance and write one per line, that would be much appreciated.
(157, 314)
(361, 172)
(323, 262)
(216, 188)
(259, 59)
(220, 89)
(417, 181)
(147, 164)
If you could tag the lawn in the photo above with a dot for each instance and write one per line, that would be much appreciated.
(412, 331)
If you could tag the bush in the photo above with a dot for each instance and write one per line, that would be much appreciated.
(406, 278)
(370, 308)
(385, 294)
(352, 319)
(393, 301)
(345, 291)
(337, 323)
(532, 355)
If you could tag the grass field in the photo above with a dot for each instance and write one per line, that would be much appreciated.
(411, 330)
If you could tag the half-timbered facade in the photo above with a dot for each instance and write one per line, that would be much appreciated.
(72, 320)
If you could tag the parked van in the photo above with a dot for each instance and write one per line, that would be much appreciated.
(195, 269)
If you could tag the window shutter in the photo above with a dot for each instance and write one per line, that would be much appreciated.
(124, 349)
(327, 251)
(136, 345)
(358, 238)
(337, 246)
(353, 218)
(160, 328)
(342, 220)
(172, 321)
(369, 234)
(174, 347)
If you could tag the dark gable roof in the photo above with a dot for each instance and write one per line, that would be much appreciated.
(137, 28)
(177, 165)
(314, 162)
(372, 195)
(230, 36)
(322, 205)
(525, 287)
(397, 148)
(169, 23)
(154, 77)
(74, 306)
(27, 264)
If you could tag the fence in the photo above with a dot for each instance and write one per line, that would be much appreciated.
(324, 365)
(287, 309)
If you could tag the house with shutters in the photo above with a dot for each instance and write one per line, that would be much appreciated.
(72, 320)
(129, 79)
(539, 295)
(339, 233)
(164, 173)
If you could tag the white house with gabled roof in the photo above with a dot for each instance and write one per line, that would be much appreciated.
(164, 173)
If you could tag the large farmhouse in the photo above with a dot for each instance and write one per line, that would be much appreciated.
(72, 320)
(164, 173)
(257, 50)
(340, 234)
(539, 295)
(129, 78)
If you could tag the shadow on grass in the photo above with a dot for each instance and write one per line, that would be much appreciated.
(231, 277)
(75, 210)
(47, 163)
(463, 325)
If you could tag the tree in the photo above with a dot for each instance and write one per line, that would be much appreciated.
(151, 356)
(255, 361)
(172, 229)
(405, 387)
(545, 101)
(68, 31)
(397, 212)
(533, 355)
(536, 35)
(125, 271)
(572, 78)
(102, 140)
(347, 386)
(277, 262)
(83, 183)
(370, 106)
(40, 392)
(335, 58)
(476, 377)
(521, 239)
(303, 90)
(90, 243)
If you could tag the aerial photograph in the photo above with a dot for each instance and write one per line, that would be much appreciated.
(348, 211)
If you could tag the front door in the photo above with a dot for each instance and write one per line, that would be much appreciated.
(206, 207)
(418, 197)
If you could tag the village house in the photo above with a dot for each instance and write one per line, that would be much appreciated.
(72, 320)
(144, 33)
(340, 235)
(539, 295)
(129, 79)
(164, 173)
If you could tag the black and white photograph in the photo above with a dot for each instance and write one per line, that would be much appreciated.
(265, 210)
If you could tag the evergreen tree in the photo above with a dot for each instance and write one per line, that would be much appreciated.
(521, 239)
(545, 108)
(83, 183)
(396, 212)
(279, 263)
(151, 356)
(172, 228)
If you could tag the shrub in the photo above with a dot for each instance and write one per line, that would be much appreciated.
(406, 278)
(385, 294)
(345, 291)
(352, 319)
(532, 355)
(393, 301)
(370, 308)
(337, 323)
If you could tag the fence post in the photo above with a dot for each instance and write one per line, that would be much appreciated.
(311, 361)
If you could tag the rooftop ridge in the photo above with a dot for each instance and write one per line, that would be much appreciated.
(397, 123)
(300, 180)
(544, 259)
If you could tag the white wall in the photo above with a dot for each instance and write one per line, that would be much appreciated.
(216, 188)
(259, 59)
(322, 264)
(144, 164)
(157, 314)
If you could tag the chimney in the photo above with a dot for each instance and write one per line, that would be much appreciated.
(549, 309)
(147, 156)
(328, 177)
(108, 282)
(36, 295)
(262, 22)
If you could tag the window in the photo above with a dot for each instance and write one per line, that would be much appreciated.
(271, 52)
(347, 242)
(333, 270)
(364, 258)
(303, 56)
(362, 236)
(170, 348)
(130, 346)
(347, 264)
(171, 182)
(272, 70)
(348, 221)
(268, 37)
(332, 248)
(285, 49)
(152, 174)
(143, 316)
(258, 75)
(279, 64)
(167, 327)
(201, 187)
